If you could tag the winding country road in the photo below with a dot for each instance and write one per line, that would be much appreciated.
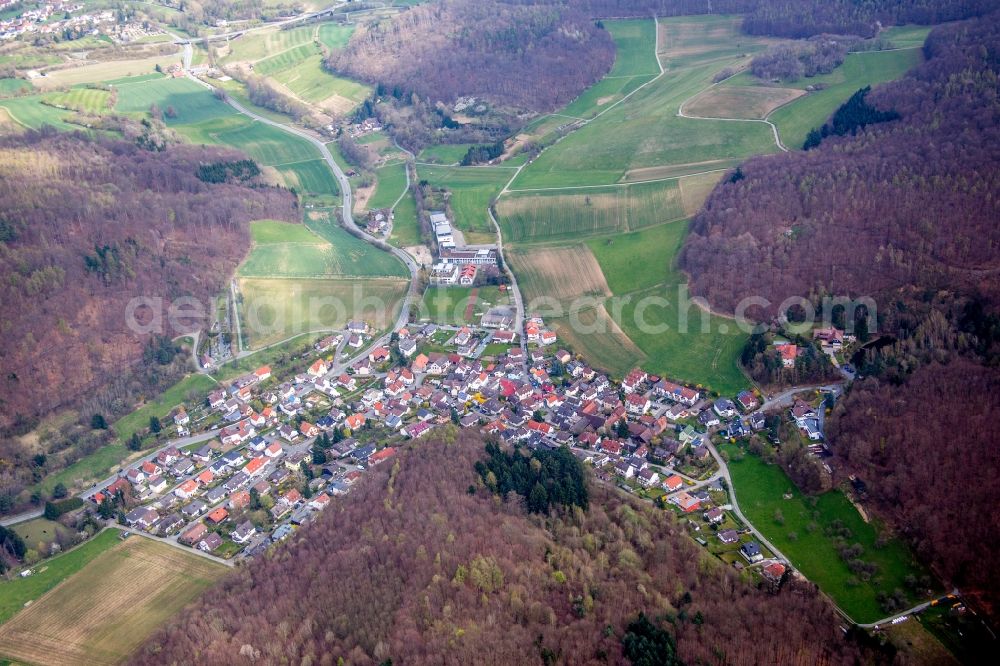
(347, 219)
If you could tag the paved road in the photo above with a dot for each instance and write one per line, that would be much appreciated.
(183, 441)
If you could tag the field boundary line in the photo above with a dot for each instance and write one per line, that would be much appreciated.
(633, 182)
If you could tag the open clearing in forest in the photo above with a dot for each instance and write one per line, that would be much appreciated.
(103, 612)
(560, 273)
(740, 101)
(275, 308)
(803, 533)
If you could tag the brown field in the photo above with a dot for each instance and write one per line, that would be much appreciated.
(562, 273)
(681, 39)
(695, 189)
(104, 71)
(676, 170)
(102, 613)
(337, 105)
(748, 102)
(595, 335)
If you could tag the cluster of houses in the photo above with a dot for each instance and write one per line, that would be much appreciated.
(53, 18)
(634, 432)
(379, 221)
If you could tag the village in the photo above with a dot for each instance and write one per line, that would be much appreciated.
(56, 18)
(267, 453)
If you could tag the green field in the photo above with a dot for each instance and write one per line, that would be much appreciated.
(405, 225)
(905, 36)
(335, 36)
(312, 178)
(276, 309)
(644, 131)
(284, 60)
(13, 86)
(40, 531)
(635, 64)
(30, 112)
(447, 305)
(87, 100)
(18, 591)
(678, 339)
(445, 153)
(192, 387)
(259, 45)
(191, 102)
(391, 183)
(472, 189)
(304, 254)
(309, 81)
(859, 70)
(760, 488)
(573, 213)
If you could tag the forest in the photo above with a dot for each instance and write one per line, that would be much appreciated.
(87, 225)
(413, 566)
(927, 452)
(904, 212)
(525, 56)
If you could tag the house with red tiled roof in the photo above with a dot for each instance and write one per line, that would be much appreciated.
(381, 456)
(217, 515)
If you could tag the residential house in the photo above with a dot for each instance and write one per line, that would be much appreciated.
(751, 551)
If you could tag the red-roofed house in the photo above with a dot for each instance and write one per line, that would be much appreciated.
(381, 456)
(217, 515)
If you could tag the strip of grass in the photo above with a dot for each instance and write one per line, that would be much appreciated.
(802, 535)
(391, 183)
(405, 225)
(186, 389)
(472, 189)
(86, 470)
(446, 153)
(17, 592)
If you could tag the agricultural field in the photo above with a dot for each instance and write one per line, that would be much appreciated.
(545, 215)
(472, 189)
(310, 82)
(308, 255)
(695, 190)
(334, 36)
(104, 71)
(264, 43)
(745, 102)
(140, 583)
(15, 593)
(13, 87)
(405, 225)
(312, 178)
(391, 184)
(445, 153)
(635, 64)
(274, 309)
(593, 333)
(191, 102)
(859, 70)
(644, 130)
(29, 112)
(560, 273)
(87, 100)
(802, 528)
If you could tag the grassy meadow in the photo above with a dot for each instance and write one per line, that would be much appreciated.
(801, 527)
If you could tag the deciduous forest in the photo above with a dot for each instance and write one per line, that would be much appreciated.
(529, 56)
(87, 225)
(421, 563)
(903, 210)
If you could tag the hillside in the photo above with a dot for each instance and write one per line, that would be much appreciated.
(421, 562)
(86, 226)
(903, 212)
(528, 56)
(931, 490)
(902, 202)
